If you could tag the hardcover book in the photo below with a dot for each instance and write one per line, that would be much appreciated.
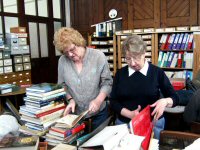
(70, 120)
(19, 143)
(44, 87)
(7, 88)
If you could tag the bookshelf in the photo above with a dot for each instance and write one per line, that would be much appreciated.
(177, 52)
(153, 38)
(148, 37)
(107, 45)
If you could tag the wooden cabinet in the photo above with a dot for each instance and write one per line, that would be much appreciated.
(15, 60)
(19, 78)
(108, 46)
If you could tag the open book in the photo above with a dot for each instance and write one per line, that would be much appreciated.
(70, 120)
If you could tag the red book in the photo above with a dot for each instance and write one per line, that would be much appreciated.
(141, 125)
(60, 132)
(180, 59)
(78, 128)
(50, 111)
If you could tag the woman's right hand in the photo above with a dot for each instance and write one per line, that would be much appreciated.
(70, 107)
(130, 114)
(135, 112)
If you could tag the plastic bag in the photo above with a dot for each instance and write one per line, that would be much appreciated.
(8, 124)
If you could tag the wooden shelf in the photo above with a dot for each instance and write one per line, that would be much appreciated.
(110, 54)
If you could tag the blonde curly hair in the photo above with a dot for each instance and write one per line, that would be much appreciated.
(65, 36)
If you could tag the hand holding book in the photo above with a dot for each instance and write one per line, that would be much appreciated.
(70, 107)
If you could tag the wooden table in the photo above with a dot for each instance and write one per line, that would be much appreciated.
(6, 99)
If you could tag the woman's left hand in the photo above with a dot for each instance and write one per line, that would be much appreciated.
(160, 107)
(94, 106)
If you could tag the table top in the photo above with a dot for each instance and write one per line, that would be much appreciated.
(18, 92)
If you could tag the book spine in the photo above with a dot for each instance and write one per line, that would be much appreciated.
(41, 95)
(78, 128)
(51, 116)
(50, 111)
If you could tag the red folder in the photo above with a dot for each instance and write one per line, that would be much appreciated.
(141, 125)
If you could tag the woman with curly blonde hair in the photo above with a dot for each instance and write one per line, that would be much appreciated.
(86, 74)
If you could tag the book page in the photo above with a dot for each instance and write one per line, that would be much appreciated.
(79, 117)
(130, 142)
(106, 137)
(68, 119)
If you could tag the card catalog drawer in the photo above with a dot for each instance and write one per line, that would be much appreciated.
(6, 54)
(22, 41)
(7, 62)
(24, 49)
(17, 59)
(26, 58)
(1, 70)
(8, 69)
(15, 50)
(1, 55)
(13, 41)
(1, 63)
(27, 66)
(18, 67)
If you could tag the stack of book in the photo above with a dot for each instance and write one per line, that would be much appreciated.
(66, 130)
(7, 88)
(44, 104)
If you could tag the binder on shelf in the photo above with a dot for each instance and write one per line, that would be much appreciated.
(180, 59)
(174, 61)
(178, 46)
(189, 47)
(165, 42)
(171, 56)
(175, 41)
(171, 41)
(184, 41)
(187, 41)
(166, 59)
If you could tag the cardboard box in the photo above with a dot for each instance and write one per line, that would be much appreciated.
(18, 30)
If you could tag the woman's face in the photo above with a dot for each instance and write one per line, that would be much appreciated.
(135, 62)
(74, 52)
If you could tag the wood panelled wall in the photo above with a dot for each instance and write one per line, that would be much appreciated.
(135, 13)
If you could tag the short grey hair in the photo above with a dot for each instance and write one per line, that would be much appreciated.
(134, 44)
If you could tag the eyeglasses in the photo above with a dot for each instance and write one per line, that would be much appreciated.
(71, 50)
(130, 59)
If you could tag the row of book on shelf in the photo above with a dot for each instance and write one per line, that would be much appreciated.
(182, 74)
(175, 60)
(176, 41)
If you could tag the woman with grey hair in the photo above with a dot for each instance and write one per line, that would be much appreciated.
(139, 84)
